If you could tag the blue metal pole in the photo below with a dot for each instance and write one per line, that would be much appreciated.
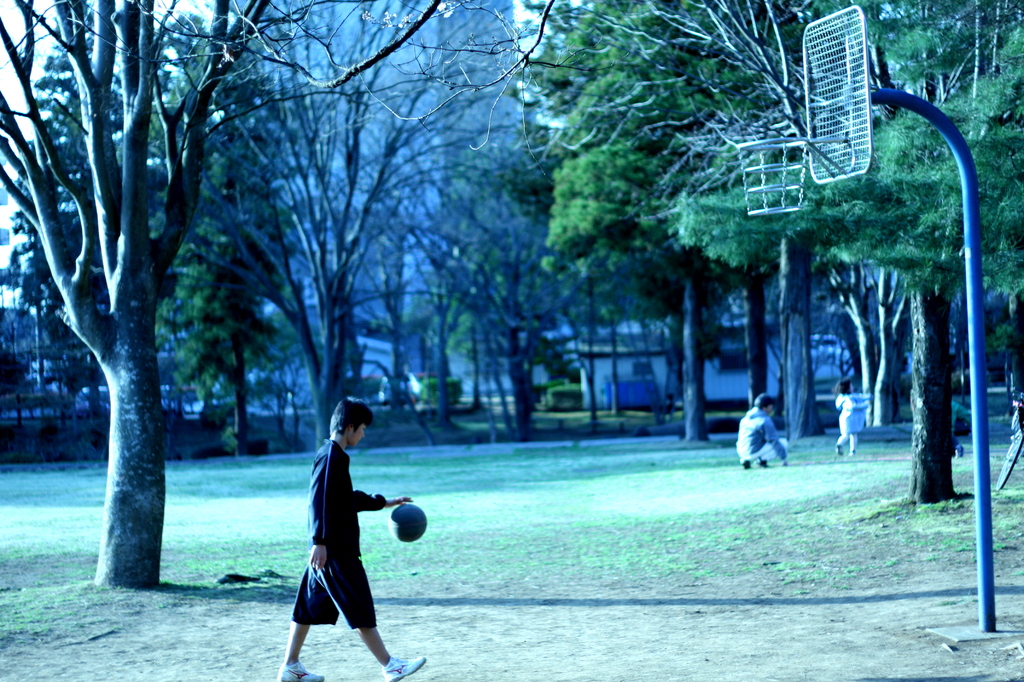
(975, 338)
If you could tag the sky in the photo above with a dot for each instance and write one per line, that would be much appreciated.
(8, 85)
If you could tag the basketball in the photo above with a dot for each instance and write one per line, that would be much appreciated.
(407, 522)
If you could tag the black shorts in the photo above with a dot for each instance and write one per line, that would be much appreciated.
(340, 586)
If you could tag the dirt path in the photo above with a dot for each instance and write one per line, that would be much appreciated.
(726, 630)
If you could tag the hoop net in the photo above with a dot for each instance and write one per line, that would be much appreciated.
(775, 184)
(837, 95)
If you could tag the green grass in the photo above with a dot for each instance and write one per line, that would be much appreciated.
(657, 516)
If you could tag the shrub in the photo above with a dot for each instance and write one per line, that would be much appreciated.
(20, 457)
(48, 433)
(454, 390)
(567, 398)
(6, 438)
(214, 417)
(210, 451)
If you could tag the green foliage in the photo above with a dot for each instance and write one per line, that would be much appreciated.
(1003, 337)
(551, 355)
(12, 372)
(907, 213)
(565, 398)
(429, 391)
(645, 107)
(717, 223)
(597, 199)
(215, 321)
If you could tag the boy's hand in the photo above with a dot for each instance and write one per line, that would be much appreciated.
(318, 557)
(395, 501)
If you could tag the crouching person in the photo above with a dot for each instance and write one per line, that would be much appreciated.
(758, 439)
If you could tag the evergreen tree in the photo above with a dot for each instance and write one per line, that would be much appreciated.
(220, 335)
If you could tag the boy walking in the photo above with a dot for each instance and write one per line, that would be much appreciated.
(334, 581)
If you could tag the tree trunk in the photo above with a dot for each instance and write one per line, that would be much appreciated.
(133, 516)
(399, 397)
(654, 395)
(591, 379)
(328, 384)
(476, 376)
(615, 371)
(675, 354)
(444, 419)
(755, 331)
(801, 410)
(496, 374)
(1016, 349)
(931, 473)
(853, 286)
(521, 389)
(893, 324)
(40, 363)
(241, 394)
(693, 361)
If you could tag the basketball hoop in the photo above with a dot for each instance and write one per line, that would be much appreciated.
(775, 184)
(839, 142)
(837, 95)
(839, 145)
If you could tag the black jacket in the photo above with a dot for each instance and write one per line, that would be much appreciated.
(333, 504)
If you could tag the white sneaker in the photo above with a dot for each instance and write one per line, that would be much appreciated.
(399, 669)
(297, 673)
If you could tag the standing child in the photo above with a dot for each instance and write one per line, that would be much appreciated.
(853, 415)
(334, 580)
(963, 414)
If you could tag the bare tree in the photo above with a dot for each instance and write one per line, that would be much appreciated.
(145, 93)
(509, 289)
(875, 301)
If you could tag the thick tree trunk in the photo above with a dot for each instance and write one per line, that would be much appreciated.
(93, 382)
(756, 336)
(693, 361)
(328, 388)
(1016, 349)
(133, 516)
(801, 410)
(931, 474)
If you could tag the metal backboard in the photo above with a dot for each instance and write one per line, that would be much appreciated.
(838, 98)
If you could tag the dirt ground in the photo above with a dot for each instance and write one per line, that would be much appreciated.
(726, 630)
(874, 628)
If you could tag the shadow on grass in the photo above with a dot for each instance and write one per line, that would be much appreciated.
(283, 591)
(690, 601)
(266, 590)
(968, 678)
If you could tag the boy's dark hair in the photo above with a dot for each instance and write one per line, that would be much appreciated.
(843, 387)
(350, 412)
(764, 400)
